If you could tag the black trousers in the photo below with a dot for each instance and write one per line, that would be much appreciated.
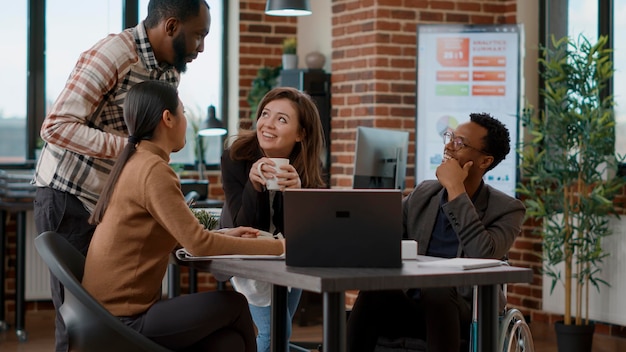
(217, 321)
(65, 214)
(440, 316)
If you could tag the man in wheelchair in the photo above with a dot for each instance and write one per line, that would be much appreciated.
(457, 215)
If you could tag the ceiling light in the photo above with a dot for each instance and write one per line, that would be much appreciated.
(288, 8)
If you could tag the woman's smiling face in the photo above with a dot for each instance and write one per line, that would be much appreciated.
(278, 128)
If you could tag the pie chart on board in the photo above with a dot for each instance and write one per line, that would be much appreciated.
(446, 123)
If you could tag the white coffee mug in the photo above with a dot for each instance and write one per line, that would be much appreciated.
(272, 183)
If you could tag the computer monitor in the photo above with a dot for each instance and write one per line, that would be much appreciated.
(380, 158)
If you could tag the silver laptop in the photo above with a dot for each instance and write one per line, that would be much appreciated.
(343, 228)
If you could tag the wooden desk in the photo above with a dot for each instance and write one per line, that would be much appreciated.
(333, 282)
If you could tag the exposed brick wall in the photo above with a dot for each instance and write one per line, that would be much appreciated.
(215, 184)
(260, 44)
(526, 252)
(373, 67)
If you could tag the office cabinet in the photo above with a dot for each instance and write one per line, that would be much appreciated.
(316, 83)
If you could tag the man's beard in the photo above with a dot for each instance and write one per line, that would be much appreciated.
(180, 53)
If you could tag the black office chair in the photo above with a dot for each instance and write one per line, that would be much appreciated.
(90, 326)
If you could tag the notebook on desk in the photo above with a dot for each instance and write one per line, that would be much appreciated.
(462, 263)
(343, 228)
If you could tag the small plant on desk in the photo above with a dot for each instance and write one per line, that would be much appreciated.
(205, 218)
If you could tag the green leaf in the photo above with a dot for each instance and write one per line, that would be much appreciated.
(569, 146)
(205, 219)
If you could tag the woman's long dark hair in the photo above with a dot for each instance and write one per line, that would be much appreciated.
(306, 155)
(143, 108)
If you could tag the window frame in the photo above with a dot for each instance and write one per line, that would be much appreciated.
(36, 95)
(558, 25)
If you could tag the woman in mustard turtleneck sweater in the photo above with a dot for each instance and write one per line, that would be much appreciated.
(142, 216)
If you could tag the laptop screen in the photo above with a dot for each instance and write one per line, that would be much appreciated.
(343, 227)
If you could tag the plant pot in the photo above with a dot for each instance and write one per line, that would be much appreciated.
(290, 61)
(315, 60)
(574, 338)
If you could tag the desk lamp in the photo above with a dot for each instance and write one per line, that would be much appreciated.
(288, 8)
(211, 127)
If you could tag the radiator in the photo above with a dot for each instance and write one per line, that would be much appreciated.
(37, 285)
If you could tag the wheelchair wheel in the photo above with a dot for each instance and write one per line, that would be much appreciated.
(515, 335)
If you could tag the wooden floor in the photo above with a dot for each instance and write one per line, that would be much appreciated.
(40, 325)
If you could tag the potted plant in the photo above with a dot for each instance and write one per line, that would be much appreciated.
(205, 218)
(265, 80)
(569, 168)
(290, 57)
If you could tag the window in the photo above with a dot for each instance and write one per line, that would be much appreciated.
(201, 86)
(73, 26)
(583, 18)
(13, 28)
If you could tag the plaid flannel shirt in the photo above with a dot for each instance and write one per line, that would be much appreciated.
(85, 130)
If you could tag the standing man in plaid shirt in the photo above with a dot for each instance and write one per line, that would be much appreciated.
(85, 131)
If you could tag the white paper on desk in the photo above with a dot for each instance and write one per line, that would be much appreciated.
(462, 263)
(182, 254)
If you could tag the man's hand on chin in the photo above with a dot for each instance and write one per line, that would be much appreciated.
(451, 176)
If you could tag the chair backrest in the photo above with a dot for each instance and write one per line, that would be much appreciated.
(90, 327)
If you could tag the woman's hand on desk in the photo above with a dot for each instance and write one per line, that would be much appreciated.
(241, 231)
(249, 232)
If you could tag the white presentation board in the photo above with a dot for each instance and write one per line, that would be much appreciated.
(463, 69)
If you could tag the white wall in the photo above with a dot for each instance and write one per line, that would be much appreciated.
(315, 32)
(608, 305)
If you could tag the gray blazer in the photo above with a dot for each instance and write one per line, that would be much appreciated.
(485, 229)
